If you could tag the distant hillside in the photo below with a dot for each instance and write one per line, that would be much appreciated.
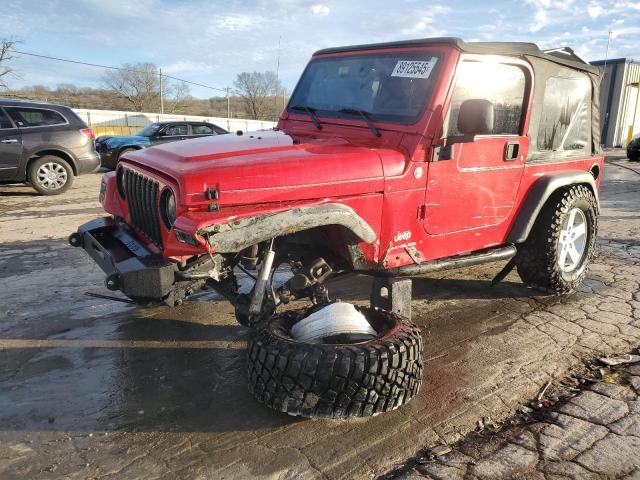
(82, 97)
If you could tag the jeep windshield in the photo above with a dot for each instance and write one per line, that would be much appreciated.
(386, 87)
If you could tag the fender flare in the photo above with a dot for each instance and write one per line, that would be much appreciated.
(242, 233)
(538, 195)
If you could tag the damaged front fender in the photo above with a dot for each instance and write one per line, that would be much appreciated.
(242, 233)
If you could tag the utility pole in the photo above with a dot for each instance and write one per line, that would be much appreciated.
(277, 75)
(161, 94)
(635, 111)
(228, 103)
(606, 54)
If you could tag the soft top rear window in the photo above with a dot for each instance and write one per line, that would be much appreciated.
(387, 87)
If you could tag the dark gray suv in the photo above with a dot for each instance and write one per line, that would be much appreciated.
(45, 145)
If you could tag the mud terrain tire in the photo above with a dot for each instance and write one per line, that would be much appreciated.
(336, 380)
(537, 260)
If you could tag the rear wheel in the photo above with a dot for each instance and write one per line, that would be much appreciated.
(561, 244)
(50, 175)
(342, 380)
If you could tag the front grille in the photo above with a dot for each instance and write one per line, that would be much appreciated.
(142, 198)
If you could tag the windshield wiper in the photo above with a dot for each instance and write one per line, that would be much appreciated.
(312, 113)
(366, 116)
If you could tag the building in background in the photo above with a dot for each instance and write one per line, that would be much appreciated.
(619, 100)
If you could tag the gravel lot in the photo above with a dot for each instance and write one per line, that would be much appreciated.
(92, 388)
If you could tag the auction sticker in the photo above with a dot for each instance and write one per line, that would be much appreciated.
(414, 68)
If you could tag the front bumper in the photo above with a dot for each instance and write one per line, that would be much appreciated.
(108, 158)
(130, 267)
(633, 151)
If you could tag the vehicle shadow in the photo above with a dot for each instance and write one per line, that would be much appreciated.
(7, 191)
(461, 284)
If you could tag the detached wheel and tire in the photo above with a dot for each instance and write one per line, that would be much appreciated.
(51, 175)
(337, 380)
(561, 244)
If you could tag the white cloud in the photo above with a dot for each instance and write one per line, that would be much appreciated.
(541, 20)
(419, 27)
(186, 66)
(594, 10)
(628, 5)
(320, 9)
(235, 23)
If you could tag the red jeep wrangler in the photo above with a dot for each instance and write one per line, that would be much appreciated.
(391, 160)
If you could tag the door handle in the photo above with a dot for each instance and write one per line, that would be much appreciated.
(9, 140)
(511, 151)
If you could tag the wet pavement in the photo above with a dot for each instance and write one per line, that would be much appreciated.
(92, 388)
(586, 433)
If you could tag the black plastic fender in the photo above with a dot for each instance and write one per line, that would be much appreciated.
(538, 195)
(242, 233)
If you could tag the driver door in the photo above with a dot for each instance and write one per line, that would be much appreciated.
(473, 179)
(10, 148)
(171, 133)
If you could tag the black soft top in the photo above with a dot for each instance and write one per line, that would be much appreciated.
(564, 57)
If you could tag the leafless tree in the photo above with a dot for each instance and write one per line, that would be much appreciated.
(177, 94)
(5, 57)
(139, 85)
(257, 91)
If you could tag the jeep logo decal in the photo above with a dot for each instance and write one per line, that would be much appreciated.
(401, 236)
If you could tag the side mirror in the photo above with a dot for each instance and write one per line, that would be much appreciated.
(476, 117)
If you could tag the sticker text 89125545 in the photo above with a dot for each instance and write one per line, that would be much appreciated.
(414, 68)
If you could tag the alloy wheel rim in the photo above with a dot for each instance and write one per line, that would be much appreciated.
(52, 176)
(573, 241)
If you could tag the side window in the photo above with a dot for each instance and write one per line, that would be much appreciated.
(176, 130)
(4, 121)
(564, 121)
(503, 85)
(201, 130)
(35, 117)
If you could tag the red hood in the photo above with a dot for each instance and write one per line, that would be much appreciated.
(266, 166)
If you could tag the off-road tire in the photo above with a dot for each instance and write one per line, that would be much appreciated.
(339, 380)
(633, 158)
(34, 167)
(536, 259)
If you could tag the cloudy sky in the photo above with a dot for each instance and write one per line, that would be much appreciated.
(210, 41)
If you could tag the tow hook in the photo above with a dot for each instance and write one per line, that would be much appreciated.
(112, 282)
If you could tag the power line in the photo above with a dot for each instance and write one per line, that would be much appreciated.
(116, 68)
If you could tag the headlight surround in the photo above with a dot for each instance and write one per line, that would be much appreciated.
(168, 207)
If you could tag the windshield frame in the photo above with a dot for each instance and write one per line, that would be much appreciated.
(434, 78)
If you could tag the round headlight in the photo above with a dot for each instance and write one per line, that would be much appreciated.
(168, 208)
